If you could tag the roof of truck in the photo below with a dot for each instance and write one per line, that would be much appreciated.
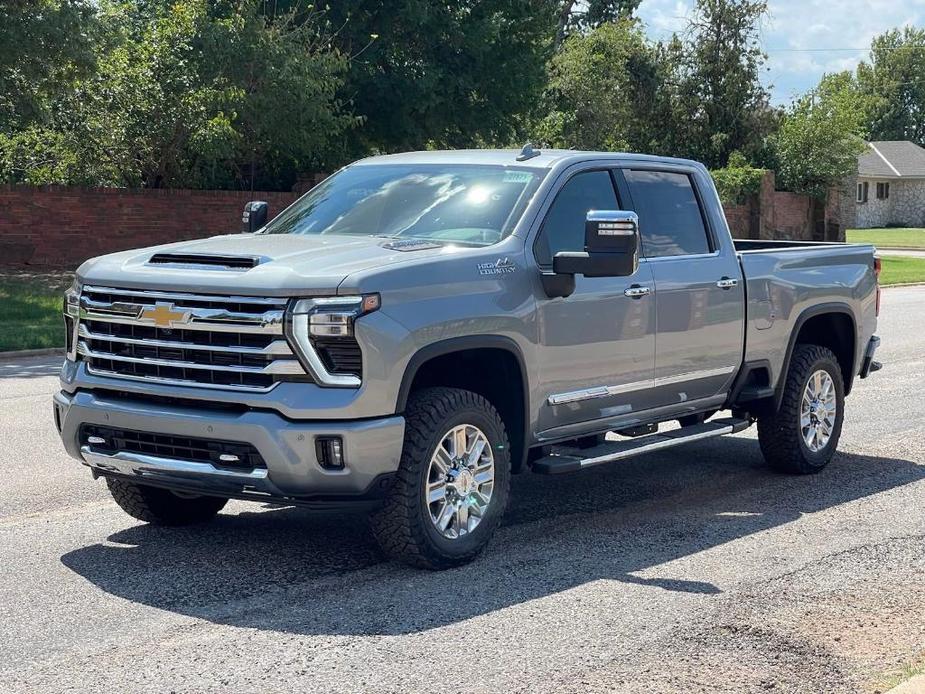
(545, 159)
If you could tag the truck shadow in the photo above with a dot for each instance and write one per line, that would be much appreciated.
(294, 571)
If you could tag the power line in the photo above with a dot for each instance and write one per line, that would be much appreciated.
(860, 50)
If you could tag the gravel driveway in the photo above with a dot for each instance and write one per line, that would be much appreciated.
(695, 569)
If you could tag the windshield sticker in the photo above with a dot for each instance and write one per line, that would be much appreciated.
(517, 177)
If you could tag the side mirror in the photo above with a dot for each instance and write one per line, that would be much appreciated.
(611, 250)
(254, 216)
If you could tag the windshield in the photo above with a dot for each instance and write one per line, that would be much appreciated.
(467, 204)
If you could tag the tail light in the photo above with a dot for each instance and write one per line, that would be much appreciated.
(877, 267)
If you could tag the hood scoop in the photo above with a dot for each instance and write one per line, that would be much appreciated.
(210, 261)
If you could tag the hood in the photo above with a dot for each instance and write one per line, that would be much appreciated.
(282, 265)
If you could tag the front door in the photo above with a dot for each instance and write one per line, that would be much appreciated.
(597, 347)
(700, 301)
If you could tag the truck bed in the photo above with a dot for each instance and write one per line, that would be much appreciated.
(786, 280)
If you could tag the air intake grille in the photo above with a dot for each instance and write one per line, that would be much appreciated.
(186, 339)
(232, 262)
(170, 446)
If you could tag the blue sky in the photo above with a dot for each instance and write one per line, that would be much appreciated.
(795, 26)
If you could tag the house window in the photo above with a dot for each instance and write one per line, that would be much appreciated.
(883, 191)
(863, 189)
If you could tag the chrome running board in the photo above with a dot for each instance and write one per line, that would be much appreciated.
(571, 460)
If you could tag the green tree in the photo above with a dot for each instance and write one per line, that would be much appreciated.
(44, 47)
(894, 84)
(719, 81)
(194, 93)
(449, 74)
(602, 91)
(820, 137)
(575, 15)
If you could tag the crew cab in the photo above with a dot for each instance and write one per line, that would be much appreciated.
(419, 327)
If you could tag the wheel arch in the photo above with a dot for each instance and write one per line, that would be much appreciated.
(830, 325)
(448, 363)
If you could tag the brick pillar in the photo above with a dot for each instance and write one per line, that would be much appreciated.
(765, 223)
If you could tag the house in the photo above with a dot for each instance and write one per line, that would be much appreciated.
(891, 185)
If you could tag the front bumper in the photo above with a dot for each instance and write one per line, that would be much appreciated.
(372, 449)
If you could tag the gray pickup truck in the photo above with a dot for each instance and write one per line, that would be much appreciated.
(420, 326)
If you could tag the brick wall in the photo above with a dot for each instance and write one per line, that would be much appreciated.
(739, 219)
(776, 214)
(63, 226)
(792, 216)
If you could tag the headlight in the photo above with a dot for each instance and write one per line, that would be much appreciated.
(327, 323)
(71, 310)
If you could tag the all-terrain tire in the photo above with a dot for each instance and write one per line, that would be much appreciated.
(161, 506)
(403, 526)
(779, 432)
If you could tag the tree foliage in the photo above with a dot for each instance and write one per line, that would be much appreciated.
(44, 45)
(198, 93)
(581, 17)
(893, 83)
(250, 93)
(719, 81)
(738, 180)
(820, 137)
(449, 74)
(602, 90)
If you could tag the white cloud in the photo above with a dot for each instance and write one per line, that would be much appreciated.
(802, 25)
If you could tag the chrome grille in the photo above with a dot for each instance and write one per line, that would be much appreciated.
(186, 339)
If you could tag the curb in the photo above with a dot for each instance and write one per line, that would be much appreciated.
(916, 685)
(903, 284)
(24, 353)
(886, 249)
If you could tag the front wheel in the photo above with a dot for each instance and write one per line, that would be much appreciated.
(802, 435)
(452, 484)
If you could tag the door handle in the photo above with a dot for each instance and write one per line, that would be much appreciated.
(727, 283)
(637, 291)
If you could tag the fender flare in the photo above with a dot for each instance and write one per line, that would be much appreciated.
(463, 344)
(808, 313)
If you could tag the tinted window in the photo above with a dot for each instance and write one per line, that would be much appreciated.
(564, 226)
(670, 221)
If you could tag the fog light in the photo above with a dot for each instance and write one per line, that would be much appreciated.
(330, 452)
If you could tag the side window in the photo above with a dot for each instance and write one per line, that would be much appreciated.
(670, 219)
(564, 226)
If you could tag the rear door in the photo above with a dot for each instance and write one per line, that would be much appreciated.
(699, 302)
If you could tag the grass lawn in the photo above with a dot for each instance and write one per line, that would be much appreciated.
(885, 238)
(901, 269)
(30, 310)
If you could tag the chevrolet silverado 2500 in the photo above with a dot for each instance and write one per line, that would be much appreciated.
(420, 326)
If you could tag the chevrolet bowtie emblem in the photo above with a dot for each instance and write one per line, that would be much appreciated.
(164, 316)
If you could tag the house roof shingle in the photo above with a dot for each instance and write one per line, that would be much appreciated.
(892, 159)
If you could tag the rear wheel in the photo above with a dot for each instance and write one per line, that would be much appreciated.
(162, 506)
(802, 435)
(452, 485)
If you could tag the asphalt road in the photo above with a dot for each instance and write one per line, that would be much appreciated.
(691, 570)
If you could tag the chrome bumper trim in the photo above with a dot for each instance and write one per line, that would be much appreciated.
(125, 463)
